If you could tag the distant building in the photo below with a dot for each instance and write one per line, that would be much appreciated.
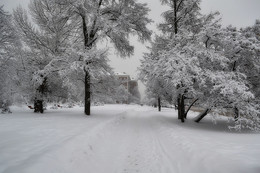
(131, 85)
(124, 80)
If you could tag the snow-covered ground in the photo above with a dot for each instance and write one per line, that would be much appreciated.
(122, 139)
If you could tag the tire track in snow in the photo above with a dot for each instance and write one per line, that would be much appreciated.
(179, 148)
(187, 156)
(35, 158)
(146, 154)
(159, 147)
(132, 141)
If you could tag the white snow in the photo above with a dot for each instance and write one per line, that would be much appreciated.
(122, 139)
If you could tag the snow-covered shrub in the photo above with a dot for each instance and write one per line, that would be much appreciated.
(5, 107)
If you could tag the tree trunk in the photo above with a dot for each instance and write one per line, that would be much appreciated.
(159, 104)
(185, 115)
(175, 17)
(38, 101)
(87, 75)
(236, 112)
(182, 108)
(179, 106)
(201, 115)
(87, 93)
(38, 106)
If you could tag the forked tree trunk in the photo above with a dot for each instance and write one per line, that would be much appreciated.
(87, 93)
(159, 104)
(202, 115)
(185, 115)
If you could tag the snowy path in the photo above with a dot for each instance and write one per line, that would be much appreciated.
(121, 139)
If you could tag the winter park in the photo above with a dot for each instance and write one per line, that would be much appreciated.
(129, 86)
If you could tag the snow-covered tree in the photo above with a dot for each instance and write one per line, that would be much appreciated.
(195, 61)
(183, 17)
(122, 95)
(110, 19)
(242, 48)
(44, 42)
(134, 95)
(8, 36)
(183, 14)
(9, 43)
(156, 87)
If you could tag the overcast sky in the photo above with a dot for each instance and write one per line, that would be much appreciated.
(239, 13)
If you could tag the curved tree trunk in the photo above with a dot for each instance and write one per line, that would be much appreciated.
(185, 115)
(202, 115)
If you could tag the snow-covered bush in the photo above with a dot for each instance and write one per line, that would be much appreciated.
(5, 107)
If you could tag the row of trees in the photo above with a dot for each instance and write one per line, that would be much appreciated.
(53, 54)
(49, 54)
(198, 60)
